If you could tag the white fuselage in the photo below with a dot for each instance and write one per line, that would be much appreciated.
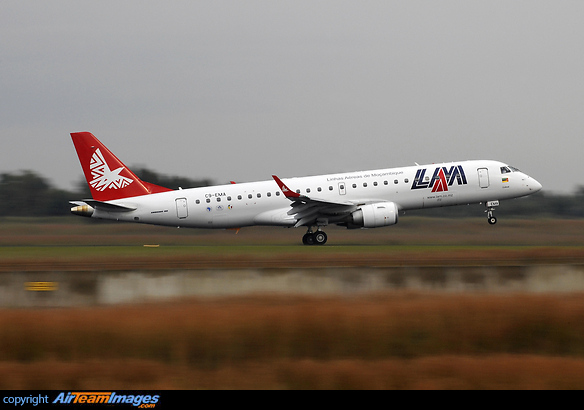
(263, 203)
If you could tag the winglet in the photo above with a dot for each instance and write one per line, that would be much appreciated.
(288, 193)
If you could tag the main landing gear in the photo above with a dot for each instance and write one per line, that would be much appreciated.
(314, 238)
(490, 209)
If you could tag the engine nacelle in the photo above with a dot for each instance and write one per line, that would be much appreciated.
(375, 215)
(83, 210)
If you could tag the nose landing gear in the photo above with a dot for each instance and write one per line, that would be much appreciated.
(491, 219)
(490, 209)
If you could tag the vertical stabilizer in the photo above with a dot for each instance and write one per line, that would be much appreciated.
(107, 177)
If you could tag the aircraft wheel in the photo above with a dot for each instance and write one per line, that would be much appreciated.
(308, 239)
(492, 220)
(320, 238)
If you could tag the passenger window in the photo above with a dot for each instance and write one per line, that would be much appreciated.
(259, 195)
(395, 181)
(385, 182)
(308, 190)
(208, 200)
(277, 193)
(250, 196)
(239, 197)
(330, 188)
(319, 189)
(364, 184)
(297, 191)
(197, 202)
(406, 180)
(375, 183)
(354, 185)
(269, 194)
(229, 198)
(218, 199)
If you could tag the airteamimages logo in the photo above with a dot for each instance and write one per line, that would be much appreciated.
(441, 179)
(144, 401)
(103, 176)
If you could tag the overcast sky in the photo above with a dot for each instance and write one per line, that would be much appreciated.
(241, 90)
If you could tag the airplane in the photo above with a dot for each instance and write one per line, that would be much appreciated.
(363, 199)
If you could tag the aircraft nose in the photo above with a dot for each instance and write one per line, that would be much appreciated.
(533, 185)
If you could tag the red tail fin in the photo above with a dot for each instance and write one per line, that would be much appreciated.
(107, 177)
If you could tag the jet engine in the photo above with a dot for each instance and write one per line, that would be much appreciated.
(82, 209)
(375, 215)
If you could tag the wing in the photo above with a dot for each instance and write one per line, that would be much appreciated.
(310, 211)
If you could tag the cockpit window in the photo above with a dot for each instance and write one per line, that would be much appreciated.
(508, 169)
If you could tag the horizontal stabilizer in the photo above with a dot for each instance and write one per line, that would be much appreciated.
(105, 206)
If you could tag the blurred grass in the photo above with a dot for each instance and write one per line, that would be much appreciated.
(303, 342)
(500, 372)
(119, 258)
(75, 231)
(71, 243)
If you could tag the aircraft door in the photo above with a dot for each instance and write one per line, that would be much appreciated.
(342, 188)
(182, 211)
(483, 177)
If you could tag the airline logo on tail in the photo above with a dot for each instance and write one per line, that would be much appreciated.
(103, 176)
(441, 179)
